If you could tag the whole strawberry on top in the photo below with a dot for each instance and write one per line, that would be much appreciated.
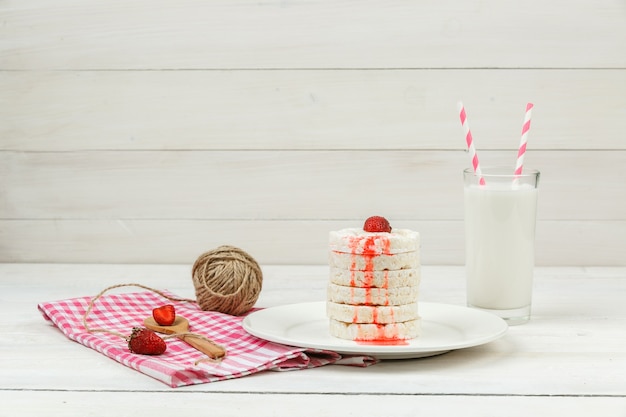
(146, 342)
(377, 224)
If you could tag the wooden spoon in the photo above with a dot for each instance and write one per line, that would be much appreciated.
(181, 325)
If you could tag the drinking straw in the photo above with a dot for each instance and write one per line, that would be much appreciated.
(519, 165)
(470, 144)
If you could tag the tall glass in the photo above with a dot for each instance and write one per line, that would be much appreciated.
(500, 219)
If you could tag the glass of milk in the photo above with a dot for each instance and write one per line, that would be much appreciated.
(500, 218)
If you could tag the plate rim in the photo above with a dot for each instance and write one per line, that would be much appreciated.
(383, 351)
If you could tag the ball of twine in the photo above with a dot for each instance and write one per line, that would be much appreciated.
(227, 279)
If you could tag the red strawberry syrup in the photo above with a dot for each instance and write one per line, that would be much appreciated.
(369, 252)
(383, 342)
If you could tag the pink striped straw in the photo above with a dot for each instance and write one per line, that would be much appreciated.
(470, 143)
(519, 165)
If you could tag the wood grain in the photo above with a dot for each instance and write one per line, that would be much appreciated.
(115, 34)
(150, 206)
(265, 185)
(571, 353)
(286, 242)
(310, 109)
(75, 404)
(131, 131)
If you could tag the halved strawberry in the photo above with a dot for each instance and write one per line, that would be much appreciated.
(376, 224)
(164, 315)
(146, 342)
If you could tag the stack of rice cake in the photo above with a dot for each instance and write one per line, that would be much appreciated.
(374, 282)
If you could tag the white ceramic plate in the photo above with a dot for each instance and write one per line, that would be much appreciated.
(444, 328)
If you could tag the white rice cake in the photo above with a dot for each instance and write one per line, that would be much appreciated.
(381, 279)
(406, 260)
(358, 241)
(371, 314)
(375, 332)
(372, 296)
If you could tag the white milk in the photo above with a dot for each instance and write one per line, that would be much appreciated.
(499, 244)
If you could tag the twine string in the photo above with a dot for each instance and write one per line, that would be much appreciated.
(227, 279)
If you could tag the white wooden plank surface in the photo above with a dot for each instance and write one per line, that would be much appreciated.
(571, 355)
(321, 109)
(116, 117)
(170, 207)
(116, 34)
(79, 404)
(291, 242)
(414, 185)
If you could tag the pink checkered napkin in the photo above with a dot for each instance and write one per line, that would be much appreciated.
(176, 367)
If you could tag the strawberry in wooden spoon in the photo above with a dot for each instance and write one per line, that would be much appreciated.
(164, 315)
(180, 328)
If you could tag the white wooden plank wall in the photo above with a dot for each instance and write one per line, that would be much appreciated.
(150, 131)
